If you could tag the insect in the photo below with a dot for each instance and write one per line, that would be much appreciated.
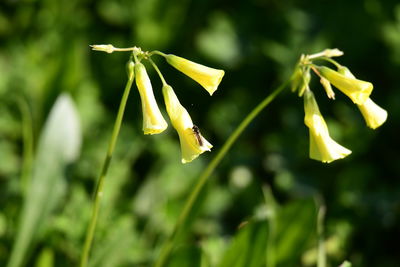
(197, 133)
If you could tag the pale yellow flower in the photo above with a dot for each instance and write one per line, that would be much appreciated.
(322, 146)
(373, 114)
(207, 77)
(192, 142)
(153, 121)
(357, 90)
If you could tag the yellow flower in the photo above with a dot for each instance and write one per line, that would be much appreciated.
(153, 121)
(192, 142)
(322, 146)
(373, 114)
(358, 91)
(207, 77)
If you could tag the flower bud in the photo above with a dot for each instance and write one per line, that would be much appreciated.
(373, 114)
(358, 91)
(153, 121)
(305, 81)
(130, 69)
(322, 146)
(207, 77)
(109, 48)
(328, 88)
(296, 79)
(333, 52)
(192, 142)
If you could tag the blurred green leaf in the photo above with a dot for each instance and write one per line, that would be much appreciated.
(45, 258)
(296, 224)
(58, 146)
(248, 247)
(186, 256)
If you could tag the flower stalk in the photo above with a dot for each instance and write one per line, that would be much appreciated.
(100, 182)
(169, 245)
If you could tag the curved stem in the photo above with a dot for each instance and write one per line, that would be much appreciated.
(170, 243)
(156, 52)
(158, 72)
(331, 61)
(100, 182)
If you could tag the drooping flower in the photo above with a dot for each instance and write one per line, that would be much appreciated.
(207, 77)
(192, 142)
(373, 114)
(153, 121)
(357, 90)
(322, 146)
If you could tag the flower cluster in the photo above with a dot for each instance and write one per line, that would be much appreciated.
(322, 146)
(191, 140)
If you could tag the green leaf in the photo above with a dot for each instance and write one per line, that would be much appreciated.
(296, 224)
(248, 248)
(59, 145)
(186, 256)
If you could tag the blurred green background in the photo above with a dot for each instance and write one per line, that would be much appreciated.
(46, 184)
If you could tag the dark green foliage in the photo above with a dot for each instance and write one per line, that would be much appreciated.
(44, 51)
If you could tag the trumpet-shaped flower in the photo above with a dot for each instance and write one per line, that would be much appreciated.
(207, 77)
(153, 121)
(358, 91)
(373, 114)
(192, 142)
(322, 146)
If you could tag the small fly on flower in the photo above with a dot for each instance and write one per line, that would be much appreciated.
(196, 132)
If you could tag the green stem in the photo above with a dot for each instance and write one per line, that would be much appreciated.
(156, 52)
(158, 72)
(100, 183)
(320, 231)
(27, 133)
(331, 61)
(170, 243)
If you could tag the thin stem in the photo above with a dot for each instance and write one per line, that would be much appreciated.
(100, 182)
(331, 61)
(320, 231)
(27, 133)
(127, 49)
(170, 243)
(135, 57)
(158, 71)
(156, 52)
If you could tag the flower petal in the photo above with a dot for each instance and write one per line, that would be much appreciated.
(153, 121)
(192, 143)
(322, 146)
(357, 90)
(373, 114)
(207, 77)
